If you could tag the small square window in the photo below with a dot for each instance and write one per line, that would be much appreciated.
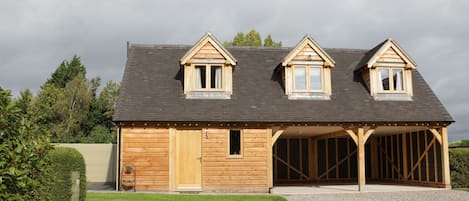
(235, 143)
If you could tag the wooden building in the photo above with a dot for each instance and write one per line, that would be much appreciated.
(244, 119)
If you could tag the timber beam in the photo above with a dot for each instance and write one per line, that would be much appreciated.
(277, 134)
(436, 134)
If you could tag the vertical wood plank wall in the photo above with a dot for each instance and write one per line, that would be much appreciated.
(224, 174)
(146, 149)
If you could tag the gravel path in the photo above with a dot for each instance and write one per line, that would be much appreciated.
(440, 195)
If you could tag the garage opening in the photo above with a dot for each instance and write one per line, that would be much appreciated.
(409, 155)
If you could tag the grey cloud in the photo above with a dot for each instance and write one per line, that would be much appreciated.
(37, 36)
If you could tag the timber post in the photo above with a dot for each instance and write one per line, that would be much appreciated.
(360, 136)
(361, 158)
(445, 158)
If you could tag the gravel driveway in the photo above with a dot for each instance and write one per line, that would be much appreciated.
(439, 195)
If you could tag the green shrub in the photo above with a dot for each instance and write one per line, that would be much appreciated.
(23, 154)
(64, 161)
(99, 134)
(460, 143)
(459, 166)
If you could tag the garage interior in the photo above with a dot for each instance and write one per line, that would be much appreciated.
(408, 155)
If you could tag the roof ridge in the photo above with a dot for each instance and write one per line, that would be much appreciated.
(159, 45)
(146, 45)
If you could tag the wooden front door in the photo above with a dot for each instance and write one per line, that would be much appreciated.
(188, 160)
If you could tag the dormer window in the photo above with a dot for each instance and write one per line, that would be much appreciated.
(307, 72)
(391, 80)
(307, 78)
(207, 68)
(388, 72)
(205, 74)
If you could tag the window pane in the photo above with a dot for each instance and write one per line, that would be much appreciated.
(200, 77)
(315, 78)
(397, 78)
(384, 77)
(215, 77)
(235, 142)
(300, 78)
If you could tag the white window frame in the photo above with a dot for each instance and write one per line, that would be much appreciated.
(208, 69)
(308, 81)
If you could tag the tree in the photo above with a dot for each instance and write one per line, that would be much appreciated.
(66, 72)
(72, 106)
(252, 38)
(68, 104)
(43, 106)
(24, 101)
(100, 116)
(268, 42)
(23, 149)
(238, 40)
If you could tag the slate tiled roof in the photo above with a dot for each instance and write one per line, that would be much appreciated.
(151, 90)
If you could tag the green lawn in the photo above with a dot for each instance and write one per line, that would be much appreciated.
(463, 189)
(164, 197)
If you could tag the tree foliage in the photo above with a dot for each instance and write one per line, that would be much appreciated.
(23, 150)
(459, 166)
(72, 106)
(66, 72)
(464, 142)
(24, 101)
(252, 38)
(68, 104)
(268, 42)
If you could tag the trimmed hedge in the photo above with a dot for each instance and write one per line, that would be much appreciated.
(459, 166)
(64, 161)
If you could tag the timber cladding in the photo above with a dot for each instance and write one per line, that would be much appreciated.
(220, 172)
(147, 151)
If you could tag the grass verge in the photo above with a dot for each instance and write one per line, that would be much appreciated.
(91, 196)
(462, 189)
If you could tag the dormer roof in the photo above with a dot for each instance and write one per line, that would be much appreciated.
(308, 49)
(208, 40)
(378, 51)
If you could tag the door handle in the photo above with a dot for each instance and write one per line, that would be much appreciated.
(199, 158)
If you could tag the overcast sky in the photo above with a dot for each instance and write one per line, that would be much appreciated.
(35, 36)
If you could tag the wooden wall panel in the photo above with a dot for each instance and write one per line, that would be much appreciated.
(307, 54)
(366, 78)
(390, 56)
(208, 52)
(222, 173)
(146, 149)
